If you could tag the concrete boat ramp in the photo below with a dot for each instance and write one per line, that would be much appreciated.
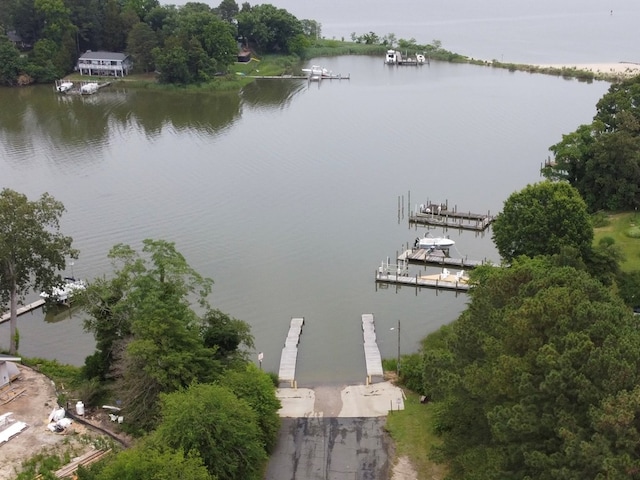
(376, 397)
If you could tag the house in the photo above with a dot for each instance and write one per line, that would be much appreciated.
(8, 369)
(104, 64)
(17, 40)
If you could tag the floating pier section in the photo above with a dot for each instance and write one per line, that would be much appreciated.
(371, 351)
(422, 256)
(439, 215)
(22, 310)
(289, 357)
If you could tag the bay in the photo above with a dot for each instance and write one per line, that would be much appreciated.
(287, 194)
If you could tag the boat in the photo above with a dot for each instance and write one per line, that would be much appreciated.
(65, 292)
(89, 88)
(433, 243)
(391, 57)
(64, 86)
(420, 58)
(317, 72)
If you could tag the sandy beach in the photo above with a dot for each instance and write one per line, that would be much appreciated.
(621, 69)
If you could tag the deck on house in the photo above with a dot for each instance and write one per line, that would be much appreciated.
(372, 356)
(288, 359)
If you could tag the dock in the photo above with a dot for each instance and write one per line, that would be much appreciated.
(289, 357)
(301, 77)
(439, 215)
(421, 256)
(399, 275)
(24, 309)
(371, 351)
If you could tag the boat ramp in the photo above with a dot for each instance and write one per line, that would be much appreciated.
(289, 356)
(439, 215)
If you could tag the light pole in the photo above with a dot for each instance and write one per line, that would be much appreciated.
(398, 357)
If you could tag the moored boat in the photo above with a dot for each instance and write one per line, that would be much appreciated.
(65, 292)
(434, 243)
(64, 86)
(391, 58)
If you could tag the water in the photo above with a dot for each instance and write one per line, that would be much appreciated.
(287, 194)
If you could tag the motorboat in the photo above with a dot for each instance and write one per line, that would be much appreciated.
(420, 58)
(64, 87)
(434, 243)
(317, 72)
(89, 88)
(63, 293)
(391, 57)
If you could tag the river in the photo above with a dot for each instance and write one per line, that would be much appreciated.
(287, 194)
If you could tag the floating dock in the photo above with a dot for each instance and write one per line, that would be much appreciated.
(22, 310)
(289, 357)
(439, 215)
(422, 256)
(371, 351)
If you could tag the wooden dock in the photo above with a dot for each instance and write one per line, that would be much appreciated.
(371, 352)
(439, 215)
(24, 309)
(288, 359)
(301, 77)
(439, 281)
(421, 256)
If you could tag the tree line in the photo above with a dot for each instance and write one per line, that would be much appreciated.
(186, 44)
(538, 377)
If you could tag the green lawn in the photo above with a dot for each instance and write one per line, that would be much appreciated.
(624, 228)
(412, 433)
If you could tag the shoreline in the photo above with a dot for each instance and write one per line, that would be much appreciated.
(609, 69)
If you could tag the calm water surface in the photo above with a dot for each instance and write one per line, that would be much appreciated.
(287, 194)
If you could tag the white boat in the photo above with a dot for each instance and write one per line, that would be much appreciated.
(420, 58)
(89, 88)
(391, 57)
(64, 87)
(64, 293)
(316, 72)
(433, 243)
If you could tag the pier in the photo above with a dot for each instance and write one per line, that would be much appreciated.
(301, 77)
(421, 256)
(399, 275)
(371, 350)
(289, 357)
(24, 309)
(439, 215)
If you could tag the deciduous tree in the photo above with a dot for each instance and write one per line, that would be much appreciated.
(32, 249)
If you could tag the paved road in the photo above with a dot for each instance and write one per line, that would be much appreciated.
(330, 448)
(334, 433)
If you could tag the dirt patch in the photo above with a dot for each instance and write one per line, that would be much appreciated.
(32, 397)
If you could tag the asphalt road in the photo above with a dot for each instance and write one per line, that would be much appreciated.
(334, 433)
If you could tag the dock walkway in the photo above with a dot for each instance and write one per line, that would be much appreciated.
(22, 310)
(422, 256)
(288, 359)
(371, 351)
(450, 282)
(439, 215)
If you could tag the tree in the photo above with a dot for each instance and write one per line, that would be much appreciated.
(268, 27)
(140, 43)
(228, 9)
(538, 378)
(11, 63)
(144, 462)
(256, 388)
(540, 220)
(32, 249)
(220, 427)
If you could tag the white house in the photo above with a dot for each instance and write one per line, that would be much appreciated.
(104, 64)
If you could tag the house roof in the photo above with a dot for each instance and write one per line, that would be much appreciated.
(89, 55)
(14, 37)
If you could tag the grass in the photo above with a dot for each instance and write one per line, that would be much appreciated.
(624, 228)
(412, 432)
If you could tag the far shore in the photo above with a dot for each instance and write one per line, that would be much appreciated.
(619, 69)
